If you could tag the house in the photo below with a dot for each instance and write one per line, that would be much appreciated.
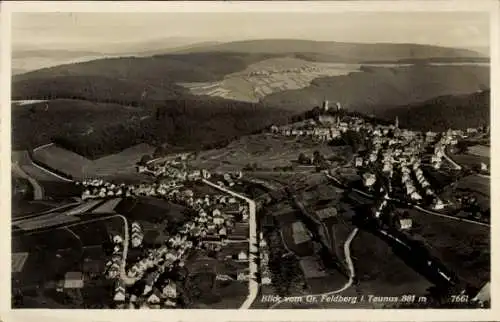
(404, 223)
(170, 290)
(232, 251)
(300, 233)
(243, 275)
(119, 294)
(266, 280)
(242, 256)
(326, 213)
(73, 280)
(484, 295)
(438, 205)
(369, 179)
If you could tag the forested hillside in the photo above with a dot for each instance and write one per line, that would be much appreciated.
(442, 113)
(96, 129)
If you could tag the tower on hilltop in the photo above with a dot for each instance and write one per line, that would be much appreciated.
(325, 105)
(396, 122)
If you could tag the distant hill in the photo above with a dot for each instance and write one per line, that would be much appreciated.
(442, 113)
(154, 70)
(338, 51)
(129, 76)
(29, 60)
(376, 88)
(131, 80)
(98, 129)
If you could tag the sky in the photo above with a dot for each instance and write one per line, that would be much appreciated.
(102, 31)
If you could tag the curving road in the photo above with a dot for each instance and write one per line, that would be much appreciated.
(253, 285)
(37, 188)
(350, 265)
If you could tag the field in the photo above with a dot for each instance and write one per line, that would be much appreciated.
(299, 248)
(63, 160)
(480, 150)
(380, 271)
(121, 163)
(22, 209)
(265, 150)
(463, 247)
(470, 160)
(118, 165)
(152, 210)
(475, 183)
(270, 76)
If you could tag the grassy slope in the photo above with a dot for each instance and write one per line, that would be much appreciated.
(385, 87)
(443, 112)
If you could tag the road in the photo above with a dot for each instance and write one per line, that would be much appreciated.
(434, 213)
(350, 265)
(52, 210)
(37, 188)
(450, 160)
(253, 285)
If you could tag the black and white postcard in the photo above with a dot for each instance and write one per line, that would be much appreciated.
(260, 156)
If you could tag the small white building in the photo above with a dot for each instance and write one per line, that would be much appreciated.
(242, 256)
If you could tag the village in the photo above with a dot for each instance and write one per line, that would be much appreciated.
(219, 227)
(387, 158)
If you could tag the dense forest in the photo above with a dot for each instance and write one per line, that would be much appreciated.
(442, 113)
(96, 129)
(372, 90)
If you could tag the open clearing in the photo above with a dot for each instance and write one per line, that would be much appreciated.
(270, 76)
(468, 256)
(266, 150)
(475, 183)
(70, 163)
(480, 150)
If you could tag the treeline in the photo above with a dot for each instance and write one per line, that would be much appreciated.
(287, 276)
(185, 124)
(96, 89)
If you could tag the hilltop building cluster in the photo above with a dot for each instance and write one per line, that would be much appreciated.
(390, 160)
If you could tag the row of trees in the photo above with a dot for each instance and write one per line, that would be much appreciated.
(287, 276)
